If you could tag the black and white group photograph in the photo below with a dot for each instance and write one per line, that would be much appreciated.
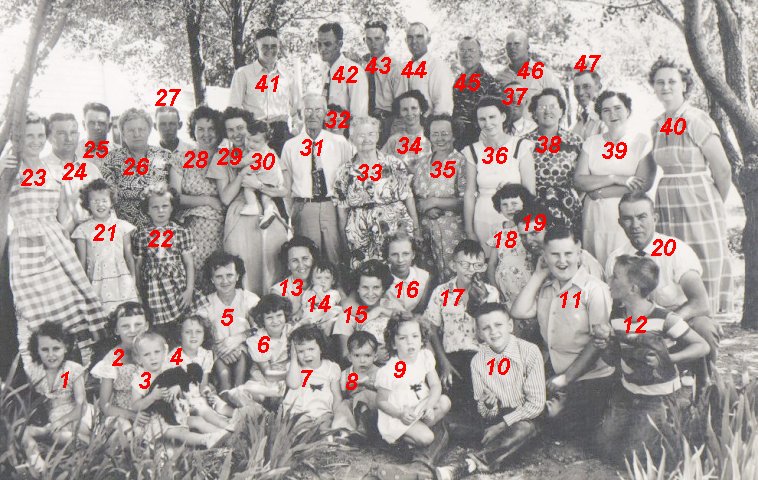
(378, 240)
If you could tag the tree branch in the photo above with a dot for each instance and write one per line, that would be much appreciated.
(670, 15)
(726, 97)
(56, 32)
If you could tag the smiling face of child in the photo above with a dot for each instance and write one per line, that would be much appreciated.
(495, 329)
(274, 323)
(192, 335)
(100, 204)
(127, 329)
(52, 352)
(323, 279)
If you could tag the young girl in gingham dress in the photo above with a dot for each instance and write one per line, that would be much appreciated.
(165, 269)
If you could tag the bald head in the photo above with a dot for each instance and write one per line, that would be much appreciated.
(517, 46)
(417, 37)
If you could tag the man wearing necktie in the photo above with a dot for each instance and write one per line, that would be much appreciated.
(310, 162)
(680, 286)
(587, 86)
(64, 138)
(383, 73)
(345, 82)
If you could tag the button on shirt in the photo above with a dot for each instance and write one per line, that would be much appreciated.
(268, 105)
(436, 85)
(350, 96)
(335, 151)
(522, 388)
(388, 85)
(567, 330)
(669, 293)
(589, 127)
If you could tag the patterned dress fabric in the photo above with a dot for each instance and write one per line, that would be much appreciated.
(688, 205)
(163, 276)
(375, 208)
(106, 266)
(129, 187)
(46, 277)
(441, 235)
(555, 177)
(204, 222)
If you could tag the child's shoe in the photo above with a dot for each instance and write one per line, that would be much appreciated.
(269, 215)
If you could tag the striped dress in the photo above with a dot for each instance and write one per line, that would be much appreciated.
(687, 202)
(47, 280)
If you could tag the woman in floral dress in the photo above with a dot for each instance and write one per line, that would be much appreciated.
(124, 168)
(46, 277)
(438, 185)
(555, 158)
(374, 197)
(202, 211)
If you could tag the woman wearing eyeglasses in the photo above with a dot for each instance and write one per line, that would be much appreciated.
(555, 155)
(438, 185)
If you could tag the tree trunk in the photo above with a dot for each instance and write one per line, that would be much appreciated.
(238, 31)
(193, 19)
(749, 181)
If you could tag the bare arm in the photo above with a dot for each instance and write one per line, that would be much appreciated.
(469, 201)
(715, 155)
(81, 251)
(129, 255)
(697, 297)
(696, 348)
(525, 305)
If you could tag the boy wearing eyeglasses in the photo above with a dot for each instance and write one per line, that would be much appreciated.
(453, 329)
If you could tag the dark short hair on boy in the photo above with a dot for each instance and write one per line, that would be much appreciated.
(270, 303)
(559, 232)
(489, 307)
(360, 339)
(468, 247)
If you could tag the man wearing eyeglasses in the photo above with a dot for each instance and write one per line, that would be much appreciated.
(587, 86)
(468, 90)
(310, 162)
(453, 329)
(268, 89)
(383, 73)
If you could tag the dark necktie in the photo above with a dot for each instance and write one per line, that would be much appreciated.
(371, 93)
(584, 115)
(318, 179)
(327, 84)
(641, 253)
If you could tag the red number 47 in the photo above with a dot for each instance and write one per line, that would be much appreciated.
(581, 64)
(163, 94)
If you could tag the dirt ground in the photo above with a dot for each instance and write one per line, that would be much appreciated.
(548, 458)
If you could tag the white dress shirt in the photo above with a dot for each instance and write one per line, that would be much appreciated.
(335, 151)
(350, 96)
(268, 105)
(437, 84)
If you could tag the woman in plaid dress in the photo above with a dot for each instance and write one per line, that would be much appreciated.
(46, 278)
(165, 269)
(696, 179)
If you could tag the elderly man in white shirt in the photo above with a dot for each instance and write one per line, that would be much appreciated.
(345, 82)
(268, 89)
(680, 286)
(517, 48)
(73, 170)
(310, 162)
(437, 83)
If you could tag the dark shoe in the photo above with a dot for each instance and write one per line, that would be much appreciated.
(451, 472)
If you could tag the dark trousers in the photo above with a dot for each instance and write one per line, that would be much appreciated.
(280, 133)
(626, 428)
(702, 367)
(584, 405)
(386, 120)
(461, 393)
(495, 452)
